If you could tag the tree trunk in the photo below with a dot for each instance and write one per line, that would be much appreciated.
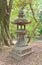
(5, 23)
(2, 14)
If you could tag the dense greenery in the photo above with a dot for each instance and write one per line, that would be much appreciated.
(36, 5)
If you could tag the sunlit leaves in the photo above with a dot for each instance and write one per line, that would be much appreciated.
(7, 2)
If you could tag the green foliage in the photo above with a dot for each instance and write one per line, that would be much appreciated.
(40, 28)
(28, 16)
(12, 30)
(40, 16)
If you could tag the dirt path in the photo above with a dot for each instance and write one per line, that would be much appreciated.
(33, 59)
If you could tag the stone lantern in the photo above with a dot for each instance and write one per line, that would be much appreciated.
(21, 49)
(21, 29)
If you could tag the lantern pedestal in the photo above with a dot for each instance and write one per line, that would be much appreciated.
(20, 53)
(21, 49)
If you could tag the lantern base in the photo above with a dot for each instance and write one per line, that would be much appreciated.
(20, 53)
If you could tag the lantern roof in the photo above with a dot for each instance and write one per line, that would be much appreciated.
(21, 20)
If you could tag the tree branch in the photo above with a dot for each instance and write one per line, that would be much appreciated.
(35, 26)
(33, 12)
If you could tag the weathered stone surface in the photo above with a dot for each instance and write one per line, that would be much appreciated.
(20, 53)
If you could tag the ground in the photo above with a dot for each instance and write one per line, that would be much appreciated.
(33, 59)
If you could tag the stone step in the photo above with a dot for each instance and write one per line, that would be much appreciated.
(20, 56)
(19, 53)
(21, 50)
